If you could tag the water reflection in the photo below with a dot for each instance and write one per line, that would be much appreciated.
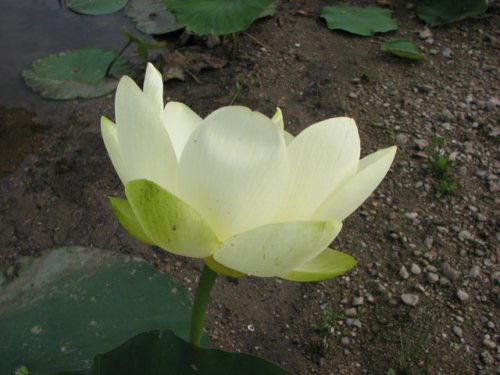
(30, 29)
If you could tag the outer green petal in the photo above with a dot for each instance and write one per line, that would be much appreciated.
(180, 121)
(330, 263)
(234, 169)
(170, 223)
(321, 157)
(126, 217)
(275, 249)
(221, 269)
(110, 138)
(153, 87)
(354, 191)
(144, 142)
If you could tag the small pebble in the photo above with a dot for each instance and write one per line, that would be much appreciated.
(449, 272)
(432, 277)
(464, 235)
(487, 358)
(420, 288)
(430, 268)
(354, 322)
(409, 299)
(447, 52)
(357, 301)
(401, 139)
(345, 341)
(443, 281)
(430, 256)
(428, 242)
(462, 295)
(490, 344)
(370, 298)
(458, 331)
(350, 312)
(403, 273)
(474, 271)
(415, 269)
(421, 144)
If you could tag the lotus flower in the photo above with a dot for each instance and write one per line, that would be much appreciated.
(235, 188)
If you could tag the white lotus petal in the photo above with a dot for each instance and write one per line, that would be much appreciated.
(153, 87)
(351, 194)
(180, 122)
(288, 137)
(276, 249)
(233, 170)
(110, 138)
(321, 157)
(144, 143)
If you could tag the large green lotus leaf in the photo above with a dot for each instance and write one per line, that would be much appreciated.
(270, 11)
(357, 20)
(95, 7)
(76, 74)
(438, 12)
(403, 48)
(162, 353)
(151, 16)
(218, 16)
(72, 303)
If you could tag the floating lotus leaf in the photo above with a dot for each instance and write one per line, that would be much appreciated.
(151, 16)
(95, 7)
(218, 16)
(76, 74)
(438, 12)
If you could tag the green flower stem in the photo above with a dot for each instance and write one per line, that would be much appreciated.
(205, 284)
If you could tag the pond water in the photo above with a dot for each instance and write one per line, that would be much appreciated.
(30, 29)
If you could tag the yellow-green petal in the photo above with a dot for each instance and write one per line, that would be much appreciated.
(170, 223)
(126, 217)
(275, 249)
(330, 263)
(278, 119)
(221, 269)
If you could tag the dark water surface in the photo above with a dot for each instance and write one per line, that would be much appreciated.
(30, 29)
